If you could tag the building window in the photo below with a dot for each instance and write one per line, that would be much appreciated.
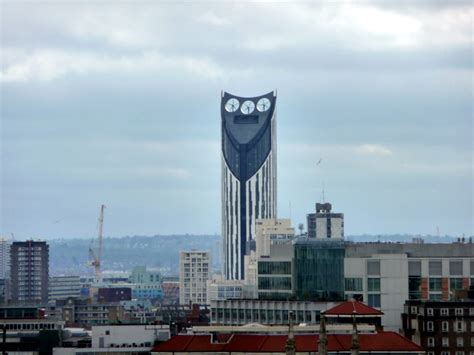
(373, 284)
(435, 268)
(455, 283)
(471, 312)
(429, 326)
(445, 342)
(435, 296)
(429, 312)
(459, 342)
(459, 311)
(445, 326)
(459, 352)
(353, 284)
(435, 284)
(472, 341)
(414, 268)
(374, 300)
(431, 342)
(459, 326)
(455, 268)
(373, 267)
(444, 311)
(445, 353)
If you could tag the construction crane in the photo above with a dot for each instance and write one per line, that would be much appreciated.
(95, 259)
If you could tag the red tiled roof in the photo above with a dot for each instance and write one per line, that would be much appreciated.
(383, 341)
(353, 307)
(244, 342)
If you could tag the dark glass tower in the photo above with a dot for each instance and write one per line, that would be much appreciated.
(248, 173)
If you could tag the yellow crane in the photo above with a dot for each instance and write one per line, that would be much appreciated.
(95, 259)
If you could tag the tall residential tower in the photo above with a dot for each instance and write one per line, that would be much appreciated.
(248, 174)
(29, 262)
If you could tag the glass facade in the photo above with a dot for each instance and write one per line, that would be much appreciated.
(319, 270)
(274, 283)
(274, 267)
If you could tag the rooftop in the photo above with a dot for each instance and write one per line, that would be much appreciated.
(383, 342)
(352, 307)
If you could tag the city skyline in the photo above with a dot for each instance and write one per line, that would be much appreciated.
(375, 106)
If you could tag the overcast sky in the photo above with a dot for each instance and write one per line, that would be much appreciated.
(118, 103)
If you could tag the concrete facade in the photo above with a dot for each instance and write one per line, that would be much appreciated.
(194, 272)
(63, 287)
(4, 258)
(240, 312)
(29, 262)
(325, 224)
(271, 232)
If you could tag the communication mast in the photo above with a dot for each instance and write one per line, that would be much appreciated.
(95, 259)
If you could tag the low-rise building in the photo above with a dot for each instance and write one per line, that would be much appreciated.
(356, 337)
(80, 312)
(240, 312)
(63, 287)
(123, 339)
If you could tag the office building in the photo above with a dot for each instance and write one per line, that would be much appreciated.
(324, 224)
(219, 288)
(61, 287)
(29, 262)
(248, 174)
(240, 312)
(146, 284)
(441, 327)
(275, 273)
(194, 271)
(271, 232)
(318, 269)
(385, 275)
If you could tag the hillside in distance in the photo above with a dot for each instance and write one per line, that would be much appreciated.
(70, 256)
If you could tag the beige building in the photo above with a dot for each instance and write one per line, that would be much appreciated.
(272, 232)
(194, 271)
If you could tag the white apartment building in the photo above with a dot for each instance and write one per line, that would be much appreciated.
(194, 272)
(272, 232)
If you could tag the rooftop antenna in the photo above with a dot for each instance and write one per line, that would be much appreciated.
(289, 205)
(322, 194)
